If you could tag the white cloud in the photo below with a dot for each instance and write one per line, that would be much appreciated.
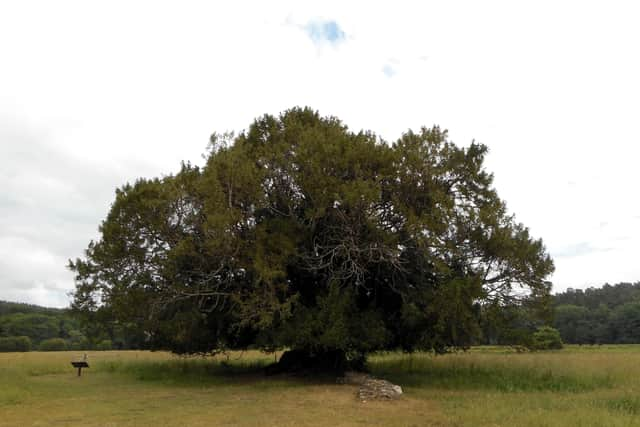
(92, 96)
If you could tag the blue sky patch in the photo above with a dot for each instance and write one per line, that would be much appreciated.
(321, 31)
(388, 70)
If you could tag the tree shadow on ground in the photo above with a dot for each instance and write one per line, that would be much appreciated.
(204, 372)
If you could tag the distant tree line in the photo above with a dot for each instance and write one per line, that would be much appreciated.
(515, 325)
(606, 315)
(25, 327)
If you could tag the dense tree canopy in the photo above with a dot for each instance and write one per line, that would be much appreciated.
(301, 233)
(610, 314)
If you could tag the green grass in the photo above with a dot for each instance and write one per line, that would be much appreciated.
(485, 373)
(488, 386)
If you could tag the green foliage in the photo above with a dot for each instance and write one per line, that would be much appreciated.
(300, 233)
(546, 338)
(36, 326)
(9, 344)
(573, 323)
(515, 323)
(607, 315)
(53, 344)
(40, 323)
(77, 341)
(624, 321)
(609, 295)
(104, 345)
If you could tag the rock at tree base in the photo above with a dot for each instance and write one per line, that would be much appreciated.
(371, 388)
(375, 389)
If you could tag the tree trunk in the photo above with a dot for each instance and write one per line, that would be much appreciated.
(305, 362)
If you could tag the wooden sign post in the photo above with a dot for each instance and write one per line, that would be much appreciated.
(80, 365)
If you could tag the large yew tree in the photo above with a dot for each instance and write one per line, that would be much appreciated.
(302, 234)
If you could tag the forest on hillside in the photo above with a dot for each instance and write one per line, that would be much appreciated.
(25, 327)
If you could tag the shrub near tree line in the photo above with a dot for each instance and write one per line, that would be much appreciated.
(53, 344)
(10, 344)
(546, 338)
(300, 233)
(104, 345)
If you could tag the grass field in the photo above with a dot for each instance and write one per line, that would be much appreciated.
(489, 386)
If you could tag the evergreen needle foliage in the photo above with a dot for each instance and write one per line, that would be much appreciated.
(300, 233)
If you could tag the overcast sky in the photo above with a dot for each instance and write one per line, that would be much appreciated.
(95, 94)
